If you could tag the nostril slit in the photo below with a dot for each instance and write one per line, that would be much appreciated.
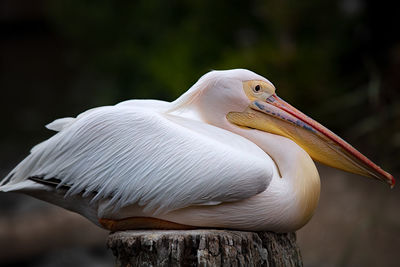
(271, 99)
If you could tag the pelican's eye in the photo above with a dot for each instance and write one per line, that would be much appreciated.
(257, 88)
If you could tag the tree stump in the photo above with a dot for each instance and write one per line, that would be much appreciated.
(204, 248)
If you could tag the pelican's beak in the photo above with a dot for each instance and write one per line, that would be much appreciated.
(278, 117)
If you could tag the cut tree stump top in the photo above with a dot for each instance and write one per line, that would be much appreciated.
(204, 248)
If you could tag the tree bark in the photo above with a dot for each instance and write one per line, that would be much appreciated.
(204, 248)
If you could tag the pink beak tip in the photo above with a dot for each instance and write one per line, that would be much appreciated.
(392, 181)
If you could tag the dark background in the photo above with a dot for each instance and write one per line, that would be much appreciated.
(338, 61)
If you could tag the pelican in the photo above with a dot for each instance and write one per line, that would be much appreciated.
(228, 153)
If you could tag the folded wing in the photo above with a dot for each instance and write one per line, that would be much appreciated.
(128, 155)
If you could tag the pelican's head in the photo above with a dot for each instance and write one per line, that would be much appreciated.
(246, 99)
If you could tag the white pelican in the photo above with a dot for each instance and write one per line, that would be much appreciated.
(228, 153)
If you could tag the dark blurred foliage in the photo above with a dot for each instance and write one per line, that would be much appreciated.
(336, 60)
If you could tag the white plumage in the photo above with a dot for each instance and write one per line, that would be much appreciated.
(182, 162)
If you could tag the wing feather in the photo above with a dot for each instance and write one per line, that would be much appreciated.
(162, 162)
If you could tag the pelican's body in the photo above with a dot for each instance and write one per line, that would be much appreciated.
(204, 160)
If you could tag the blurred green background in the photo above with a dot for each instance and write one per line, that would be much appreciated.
(338, 61)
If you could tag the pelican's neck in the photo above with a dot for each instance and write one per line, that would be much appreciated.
(298, 171)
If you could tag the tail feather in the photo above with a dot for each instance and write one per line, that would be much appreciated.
(27, 167)
(20, 186)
